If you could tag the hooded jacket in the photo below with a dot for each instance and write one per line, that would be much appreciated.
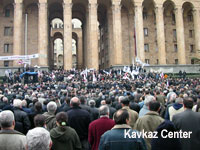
(50, 120)
(175, 109)
(65, 138)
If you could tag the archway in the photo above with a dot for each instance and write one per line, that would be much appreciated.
(58, 52)
(189, 33)
(57, 41)
(170, 32)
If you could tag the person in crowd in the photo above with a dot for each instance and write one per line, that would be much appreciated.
(145, 108)
(50, 118)
(117, 103)
(117, 139)
(66, 105)
(133, 115)
(94, 112)
(38, 139)
(10, 139)
(25, 108)
(79, 119)
(99, 127)
(176, 108)
(150, 121)
(83, 104)
(196, 108)
(133, 105)
(37, 110)
(188, 121)
(160, 98)
(63, 136)
(39, 121)
(112, 110)
(22, 122)
(165, 143)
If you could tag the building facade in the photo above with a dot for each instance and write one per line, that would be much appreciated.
(113, 32)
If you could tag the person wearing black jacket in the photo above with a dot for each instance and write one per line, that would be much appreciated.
(79, 119)
(22, 122)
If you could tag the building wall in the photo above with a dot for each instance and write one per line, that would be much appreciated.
(127, 21)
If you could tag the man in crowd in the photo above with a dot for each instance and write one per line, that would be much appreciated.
(50, 117)
(21, 118)
(99, 127)
(145, 108)
(94, 112)
(133, 115)
(79, 119)
(188, 121)
(38, 139)
(150, 121)
(118, 138)
(176, 108)
(9, 138)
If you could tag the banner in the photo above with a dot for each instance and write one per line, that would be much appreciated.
(19, 57)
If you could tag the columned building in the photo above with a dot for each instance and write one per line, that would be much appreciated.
(113, 32)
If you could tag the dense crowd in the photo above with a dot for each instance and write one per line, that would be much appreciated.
(88, 109)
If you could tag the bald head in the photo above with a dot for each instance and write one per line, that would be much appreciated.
(75, 102)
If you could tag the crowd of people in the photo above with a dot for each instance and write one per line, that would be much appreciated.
(105, 110)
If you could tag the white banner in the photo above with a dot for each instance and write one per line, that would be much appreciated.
(18, 57)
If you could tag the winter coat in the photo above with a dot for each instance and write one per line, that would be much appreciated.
(188, 121)
(175, 109)
(161, 143)
(97, 128)
(12, 140)
(79, 119)
(50, 120)
(115, 139)
(65, 138)
(22, 122)
(133, 116)
(149, 123)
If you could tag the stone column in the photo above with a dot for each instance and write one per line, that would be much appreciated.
(43, 34)
(17, 38)
(93, 36)
(80, 51)
(160, 34)
(110, 39)
(180, 35)
(196, 14)
(117, 32)
(139, 31)
(67, 15)
(131, 36)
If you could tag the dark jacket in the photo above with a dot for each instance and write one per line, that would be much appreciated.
(161, 143)
(22, 122)
(65, 138)
(188, 121)
(112, 110)
(79, 119)
(50, 120)
(94, 113)
(85, 107)
(115, 140)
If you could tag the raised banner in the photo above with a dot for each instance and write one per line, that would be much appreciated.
(19, 57)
